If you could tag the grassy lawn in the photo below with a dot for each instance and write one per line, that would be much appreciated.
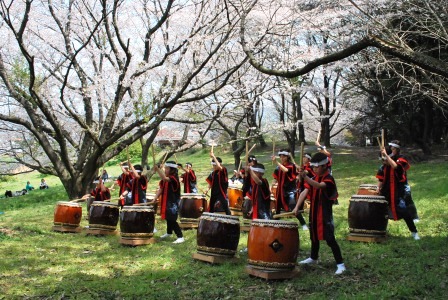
(38, 263)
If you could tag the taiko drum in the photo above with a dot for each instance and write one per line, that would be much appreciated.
(367, 189)
(273, 245)
(67, 214)
(191, 207)
(218, 235)
(235, 196)
(103, 215)
(367, 215)
(137, 222)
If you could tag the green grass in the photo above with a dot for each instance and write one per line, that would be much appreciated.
(38, 263)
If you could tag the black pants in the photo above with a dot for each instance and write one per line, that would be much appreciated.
(173, 225)
(223, 205)
(331, 242)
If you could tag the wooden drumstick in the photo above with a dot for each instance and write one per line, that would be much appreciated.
(286, 214)
(302, 149)
(382, 138)
(153, 155)
(127, 154)
(379, 142)
(318, 136)
(273, 149)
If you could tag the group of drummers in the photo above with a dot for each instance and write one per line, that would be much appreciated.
(295, 183)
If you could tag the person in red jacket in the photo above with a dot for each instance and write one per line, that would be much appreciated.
(188, 178)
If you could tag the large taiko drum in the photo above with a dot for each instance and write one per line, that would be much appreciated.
(235, 196)
(367, 189)
(137, 222)
(103, 216)
(273, 245)
(367, 215)
(191, 207)
(218, 235)
(247, 208)
(67, 215)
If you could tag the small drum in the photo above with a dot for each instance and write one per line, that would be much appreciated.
(67, 214)
(137, 222)
(367, 189)
(218, 235)
(191, 207)
(367, 215)
(273, 245)
(103, 216)
(247, 208)
(235, 196)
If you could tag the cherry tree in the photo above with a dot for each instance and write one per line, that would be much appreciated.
(82, 80)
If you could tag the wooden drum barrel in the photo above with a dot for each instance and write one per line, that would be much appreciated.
(218, 235)
(273, 245)
(191, 207)
(137, 222)
(67, 215)
(235, 196)
(247, 208)
(367, 215)
(103, 216)
(367, 189)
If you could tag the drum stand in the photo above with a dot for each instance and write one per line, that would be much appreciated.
(366, 238)
(272, 275)
(90, 231)
(188, 223)
(213, 259)
(67, 229)
(137, 242)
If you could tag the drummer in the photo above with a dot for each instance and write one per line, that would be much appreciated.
(100, 192)
(238, 177)
(169, 192)
(300, 185)
(135, 191)
(323, 193)
(251, 161)
(285, 174)
(392, 185)
(261, 194)
(188, 178)
(122, 180)
(218, 183)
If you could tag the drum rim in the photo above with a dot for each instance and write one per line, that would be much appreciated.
(378, 197)
(277, 222)
(221, 216)
(68, 203)
(192, 195)
(137, 208)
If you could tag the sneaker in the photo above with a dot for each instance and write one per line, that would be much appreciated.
(155, 230)
(341, 269)
(243, 250)
(416, 220)
(179, 240)
(165, 235)
(307, 261)
(304, 227)
(415, 236)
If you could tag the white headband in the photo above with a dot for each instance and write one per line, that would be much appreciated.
(171, 165)
(394, 145)
(259, 170)
(138, 171)
(213, 163)
(307, 156)
(320, 163)
(283, 153)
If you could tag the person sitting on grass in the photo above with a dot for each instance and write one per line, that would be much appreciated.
(29, 187)
(43, 184)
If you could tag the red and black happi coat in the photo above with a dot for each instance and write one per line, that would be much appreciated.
(122, 181)
(321, 207)
(261, 200)
(247, 186)
(169, 198)
(393, 189)
(310, 174)
(219, 182)
(286, 182)
(189, 179)
(137, 187)
(100, 195)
